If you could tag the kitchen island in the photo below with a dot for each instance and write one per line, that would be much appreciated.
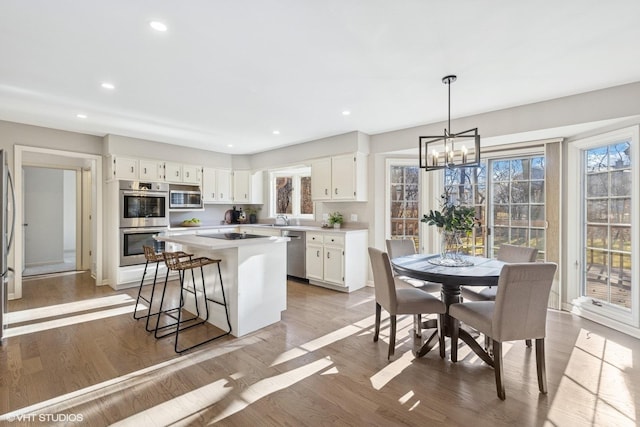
(254, 272)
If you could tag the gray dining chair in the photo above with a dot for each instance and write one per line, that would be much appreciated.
(395, 299)
(402, 247)
(518, 312)
(506, 253)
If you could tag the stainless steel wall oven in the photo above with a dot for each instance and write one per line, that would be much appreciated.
(144, 204)
(144, 213)
(133, 239)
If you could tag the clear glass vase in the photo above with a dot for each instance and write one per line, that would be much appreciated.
(451, 250)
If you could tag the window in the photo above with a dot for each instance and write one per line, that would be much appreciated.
(607, 229)
(515, 202)
(402, 217)
(291, 193)
(603, 228)
(468, 186)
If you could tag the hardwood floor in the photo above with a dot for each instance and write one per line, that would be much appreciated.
(318, 366)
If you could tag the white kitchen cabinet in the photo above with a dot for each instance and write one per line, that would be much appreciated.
(136, 169)
(182, 174)
(216, 185)
(337, 261)
(242, 186)
(315, 261)
(340, 178)
(151, 170)
(191, 174)
(124, 168)
(321, 179)
(173, 172)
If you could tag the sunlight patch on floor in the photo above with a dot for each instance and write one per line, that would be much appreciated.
(119, 386)
(392, 370)
(67, 321)
(596, 380)
(271, 385)
(68, 308)
(323, 341)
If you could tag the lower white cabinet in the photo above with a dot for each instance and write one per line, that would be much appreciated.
(337, 260)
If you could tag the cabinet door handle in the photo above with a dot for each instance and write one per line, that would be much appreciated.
(177, 173)
(326, 191)
(221, 195)
(318, 254)
(187, 174)
(336, 190)
(131, 169)
(328, 255)
(145, 171)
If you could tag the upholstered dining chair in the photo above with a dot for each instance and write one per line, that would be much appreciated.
(402, 247)
(506, 253)
(396, 299)
(518, 312)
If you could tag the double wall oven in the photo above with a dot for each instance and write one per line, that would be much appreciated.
(144, 213)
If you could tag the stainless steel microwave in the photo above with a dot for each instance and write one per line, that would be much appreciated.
(185, 197)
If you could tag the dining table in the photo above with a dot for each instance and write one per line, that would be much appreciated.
(477, 271)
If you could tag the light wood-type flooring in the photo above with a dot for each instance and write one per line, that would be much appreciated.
(85, 361)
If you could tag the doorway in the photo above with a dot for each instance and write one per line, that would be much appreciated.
(91, 166)
(51, 225)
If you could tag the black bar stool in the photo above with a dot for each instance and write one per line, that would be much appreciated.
(175, 262)
(151, 256)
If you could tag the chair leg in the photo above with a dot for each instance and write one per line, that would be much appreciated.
(497, 366)
(528, 343)
(455, 331)
(441, 334)
(377, 327)
(135, 309)
(392, 337)
(541, 366)
(417, 325)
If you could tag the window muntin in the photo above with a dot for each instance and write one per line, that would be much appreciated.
(607, 229)
(404, 203)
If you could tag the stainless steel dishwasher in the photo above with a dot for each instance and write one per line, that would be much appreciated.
(296, 258)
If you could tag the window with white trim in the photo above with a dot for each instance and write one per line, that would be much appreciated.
(291, 193)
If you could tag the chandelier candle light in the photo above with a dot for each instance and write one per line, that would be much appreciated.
(438, 152)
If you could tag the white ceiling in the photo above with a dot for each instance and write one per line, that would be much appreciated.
(232, 72)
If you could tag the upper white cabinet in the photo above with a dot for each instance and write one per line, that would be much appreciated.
(339, 178)
(242, 186)
(151, 170)
(216, 185)
(134, 169)
(191, 174)
(183, 174)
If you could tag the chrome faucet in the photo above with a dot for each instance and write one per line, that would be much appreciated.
(282, 220)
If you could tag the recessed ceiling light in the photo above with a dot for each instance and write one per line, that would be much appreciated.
(229, 145)
(107, 85)
(158, 26)
(346, 112)
(81, 116)
(276, 132)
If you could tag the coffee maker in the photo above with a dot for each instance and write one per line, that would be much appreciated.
(232, 216)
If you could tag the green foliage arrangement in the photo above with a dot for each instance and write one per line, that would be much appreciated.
(452, 217)
(335, 218)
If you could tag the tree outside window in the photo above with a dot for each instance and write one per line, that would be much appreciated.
(291, 193)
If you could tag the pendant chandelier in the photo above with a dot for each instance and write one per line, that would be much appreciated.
(450, 150)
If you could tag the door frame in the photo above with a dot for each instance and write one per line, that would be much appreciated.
(607, 315)
(95, 162)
